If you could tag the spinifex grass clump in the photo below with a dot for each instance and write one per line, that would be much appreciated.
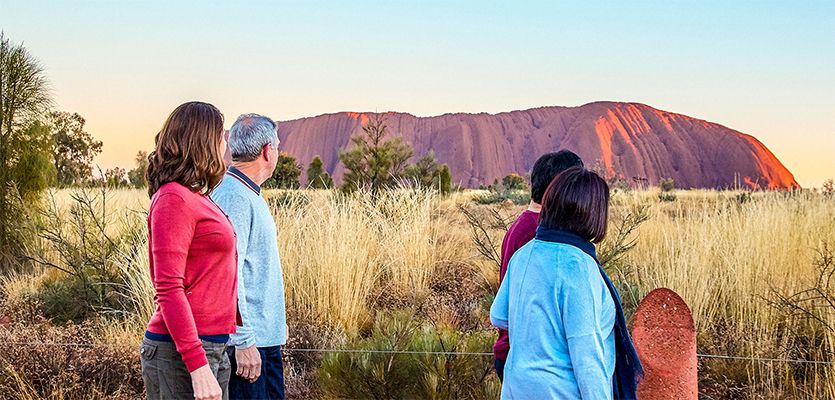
(378, 373)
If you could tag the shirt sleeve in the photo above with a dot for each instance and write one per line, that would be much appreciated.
(239, 211)
(172, 225)
(581, 321)
(499, 309)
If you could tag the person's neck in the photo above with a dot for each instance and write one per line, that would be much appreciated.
(252, 171)
(534, 207)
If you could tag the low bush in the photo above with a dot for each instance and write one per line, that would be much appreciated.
(87, 254)
(78, 370)
(518, 197)
(667, 196)
(308, 333)
(379, 372)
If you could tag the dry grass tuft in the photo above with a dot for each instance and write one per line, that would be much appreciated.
(339, 252)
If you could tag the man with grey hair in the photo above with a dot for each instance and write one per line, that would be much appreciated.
(255, 349)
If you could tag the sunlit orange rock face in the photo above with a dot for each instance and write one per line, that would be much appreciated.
(629, 140)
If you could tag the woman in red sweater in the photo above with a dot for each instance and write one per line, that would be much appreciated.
(191, 246)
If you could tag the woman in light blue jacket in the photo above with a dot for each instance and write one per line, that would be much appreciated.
(568, 337)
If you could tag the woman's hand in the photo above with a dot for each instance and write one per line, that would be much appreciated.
(205, 385)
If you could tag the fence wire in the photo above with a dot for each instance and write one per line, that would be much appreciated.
(437, 353)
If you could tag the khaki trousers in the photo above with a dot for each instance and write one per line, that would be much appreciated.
(166, 376)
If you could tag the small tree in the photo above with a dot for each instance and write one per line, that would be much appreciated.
(495, 186)
(24, 97)
(136, 176)
(115, 178)
(31, 170)
(374, 162)
(666, 185)
(424, 172)
(72, 148)
(286, 173)
(828, 187)
(616, 181)
(317, 177)
(514, 182)
(445, 180)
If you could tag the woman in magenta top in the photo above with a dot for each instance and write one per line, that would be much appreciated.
(192, 256)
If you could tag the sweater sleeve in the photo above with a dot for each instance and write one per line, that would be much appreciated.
(172, 225)
(581, 321)
(239, 211)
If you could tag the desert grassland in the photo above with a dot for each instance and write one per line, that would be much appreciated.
(731, 255)
(337, 252)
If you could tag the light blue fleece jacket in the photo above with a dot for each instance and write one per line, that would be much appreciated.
(560, 320)
(260, 284)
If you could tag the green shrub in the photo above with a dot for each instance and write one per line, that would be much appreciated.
(666, 185)
(77, 240)
(386, 375)
(518, 197)
(514, 182)
(743, 197)
(667, 196)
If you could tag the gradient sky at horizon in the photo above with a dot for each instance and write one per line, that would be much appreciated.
(764, 68)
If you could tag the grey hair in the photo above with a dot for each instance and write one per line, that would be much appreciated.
(249, 135)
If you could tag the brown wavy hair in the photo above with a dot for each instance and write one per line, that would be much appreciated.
(188, 149)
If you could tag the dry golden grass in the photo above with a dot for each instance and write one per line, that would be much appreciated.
(337, 251)
(728, 254)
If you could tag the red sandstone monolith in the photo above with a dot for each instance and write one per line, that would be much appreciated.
(665, 339)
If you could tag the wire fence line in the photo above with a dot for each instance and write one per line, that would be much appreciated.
(437, 353)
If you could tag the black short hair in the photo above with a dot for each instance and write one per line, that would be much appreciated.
(547, 168)
(577, 201)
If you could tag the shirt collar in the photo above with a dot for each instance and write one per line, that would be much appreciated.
(237, 174)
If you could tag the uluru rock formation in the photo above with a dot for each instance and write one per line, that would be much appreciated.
(628, 140)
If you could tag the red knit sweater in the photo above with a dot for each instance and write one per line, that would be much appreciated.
(520, 233)
(192, 254)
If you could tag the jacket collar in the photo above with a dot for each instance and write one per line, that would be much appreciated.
(559, 236)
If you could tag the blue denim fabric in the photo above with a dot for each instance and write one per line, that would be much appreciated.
(500, 368)
(270, 385)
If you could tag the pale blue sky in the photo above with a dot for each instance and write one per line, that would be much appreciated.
(763, 68)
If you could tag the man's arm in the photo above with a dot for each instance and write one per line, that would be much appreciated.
(239, 211)
(247, 357)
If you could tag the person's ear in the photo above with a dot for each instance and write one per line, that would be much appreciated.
(265, 152)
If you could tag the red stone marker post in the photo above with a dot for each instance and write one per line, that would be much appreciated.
(665, 339)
